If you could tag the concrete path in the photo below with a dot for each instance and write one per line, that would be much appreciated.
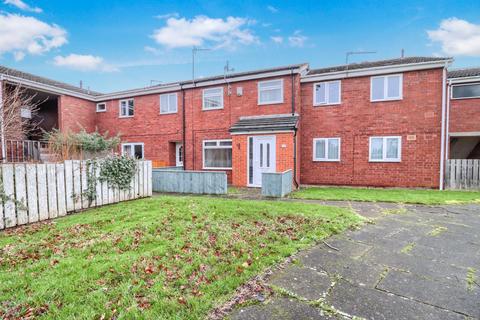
(411, 262)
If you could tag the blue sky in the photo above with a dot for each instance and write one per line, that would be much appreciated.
(116, 45)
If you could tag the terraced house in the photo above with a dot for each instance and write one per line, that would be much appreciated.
(382, 123)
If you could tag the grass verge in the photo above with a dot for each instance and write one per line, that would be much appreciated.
(159, 258)
(415, 196)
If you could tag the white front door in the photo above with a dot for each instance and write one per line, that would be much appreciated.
(179, 154)
(262, 158)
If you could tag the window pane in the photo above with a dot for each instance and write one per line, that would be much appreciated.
(225, 143)
(138, 151)
(466, 91)
(270, 84)
(127, 150)
(218, 158)
(392, 148)
(172, 102)
(130, 107)
(334, 92)
(333, 149)
(320, 149)
(393, 87)
(211, 144)
(163, 103)
(213, 91)
(376, 148)
(270, 95)
(377, 88)
(212, 102)
(320, 96)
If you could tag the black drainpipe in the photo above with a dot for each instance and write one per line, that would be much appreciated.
(183, 128)
(295, 132)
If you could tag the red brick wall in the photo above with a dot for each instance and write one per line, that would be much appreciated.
(356, 119)
(464, 115)
(158, 132)
(75, 114)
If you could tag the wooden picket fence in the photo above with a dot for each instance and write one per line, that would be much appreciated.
(49, 190)
(462, 174)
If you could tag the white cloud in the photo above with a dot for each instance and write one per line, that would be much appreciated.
(297, 39)
(168, 15)
(277, 39)
(83, 63)
(22, 6)
(21, 35)
(272, 9)
(457, 37)
(152, 50)
(204, 30)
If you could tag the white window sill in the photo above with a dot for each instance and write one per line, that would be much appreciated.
(269, 103)
(125, 117)
(100, 111)
(327, 104)
(463, 98)
(386, 100)
(386, 161)
(211, 109)
(172, 112)
(326, 160)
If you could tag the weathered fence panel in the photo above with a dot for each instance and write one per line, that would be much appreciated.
(205, 182)
(462, 174)
(277, 184)
(39, 192)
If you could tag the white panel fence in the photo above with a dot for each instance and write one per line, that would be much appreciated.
(50, 190)
(462, 174)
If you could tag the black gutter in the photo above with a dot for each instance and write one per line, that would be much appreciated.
(295, 132)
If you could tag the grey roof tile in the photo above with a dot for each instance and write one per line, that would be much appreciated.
(378, 63)
(278, 122)
(464, 73)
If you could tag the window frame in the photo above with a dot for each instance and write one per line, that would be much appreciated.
(100, 110)
(385, 87)
(133, 144)
(217, 141)
(462, 85)
(282, 91)
(120, 108)
(326, 159)
(168, 99)
(384, 149)
(203, 99)
(327, 103)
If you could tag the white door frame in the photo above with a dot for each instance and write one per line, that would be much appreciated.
(179, 145)
(273, 155)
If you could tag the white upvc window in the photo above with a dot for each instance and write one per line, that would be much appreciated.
(385, 149)
(385, 88)
(217, 154)
(326, 149)
(127, 108)
(168, 103)
(212, 99)
(466, 91)
(133, 150)
(102, 107)
(327, 93)
(270, 92)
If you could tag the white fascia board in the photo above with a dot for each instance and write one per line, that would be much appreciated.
(253, 133)
(464, 80)
(138, 92)
(272, 74)
(46, 88)
(375, 71)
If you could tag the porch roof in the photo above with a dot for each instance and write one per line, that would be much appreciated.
(277, 122)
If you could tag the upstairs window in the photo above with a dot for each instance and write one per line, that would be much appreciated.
(217, 154)
(212, 99)
(168, 103)
(127, 108)
(270, 92)
(325, 93)
(385, 88)
(133, 150)
(385, 149)
(326, 149)
(101, 107)
(466, 91)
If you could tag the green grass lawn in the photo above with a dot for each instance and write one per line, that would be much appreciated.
(160, 258)
(428, 197)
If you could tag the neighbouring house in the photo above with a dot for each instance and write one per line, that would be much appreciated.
(382, 123)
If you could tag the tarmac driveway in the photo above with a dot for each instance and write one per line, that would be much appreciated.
(412, 262)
